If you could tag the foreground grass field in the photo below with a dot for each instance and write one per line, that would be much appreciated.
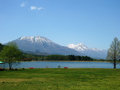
(60, 79)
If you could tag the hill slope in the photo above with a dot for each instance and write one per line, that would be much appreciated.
(44, 45)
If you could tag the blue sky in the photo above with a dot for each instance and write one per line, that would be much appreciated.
(94, 23)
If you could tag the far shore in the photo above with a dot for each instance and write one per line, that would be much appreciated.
(61, 61)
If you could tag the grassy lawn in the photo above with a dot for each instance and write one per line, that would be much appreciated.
(61, 79)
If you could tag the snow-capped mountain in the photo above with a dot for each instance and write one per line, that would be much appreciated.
(92, 52)
(44, 45)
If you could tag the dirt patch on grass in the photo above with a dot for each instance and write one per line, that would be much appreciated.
(11, 80)
(38, 79)
(20, 80)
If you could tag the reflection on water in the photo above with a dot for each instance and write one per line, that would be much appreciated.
(43, 64)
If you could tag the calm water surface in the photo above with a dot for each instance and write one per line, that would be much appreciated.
(44, 64)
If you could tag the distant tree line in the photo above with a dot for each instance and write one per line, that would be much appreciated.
(28, 57)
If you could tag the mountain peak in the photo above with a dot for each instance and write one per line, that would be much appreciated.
(92, 52)
(43, 45)
(80, 44)
(35, 39)
(78, 47)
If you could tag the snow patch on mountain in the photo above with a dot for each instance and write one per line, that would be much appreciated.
(78, 47)
(35, 39)
(92, 52)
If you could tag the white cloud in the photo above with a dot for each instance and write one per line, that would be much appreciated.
(22, 5)
(40, 8)
(33, 7)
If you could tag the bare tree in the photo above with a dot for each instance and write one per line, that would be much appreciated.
(114, 51)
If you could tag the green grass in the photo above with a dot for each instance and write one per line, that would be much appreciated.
(61, 79)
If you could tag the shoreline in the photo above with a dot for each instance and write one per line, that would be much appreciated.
(61, 61)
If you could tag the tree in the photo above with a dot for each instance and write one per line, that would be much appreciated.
(114, 51)
(71, 57)
(10, 54)
(1, 46)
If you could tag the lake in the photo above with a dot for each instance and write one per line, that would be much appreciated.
(53, 64)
